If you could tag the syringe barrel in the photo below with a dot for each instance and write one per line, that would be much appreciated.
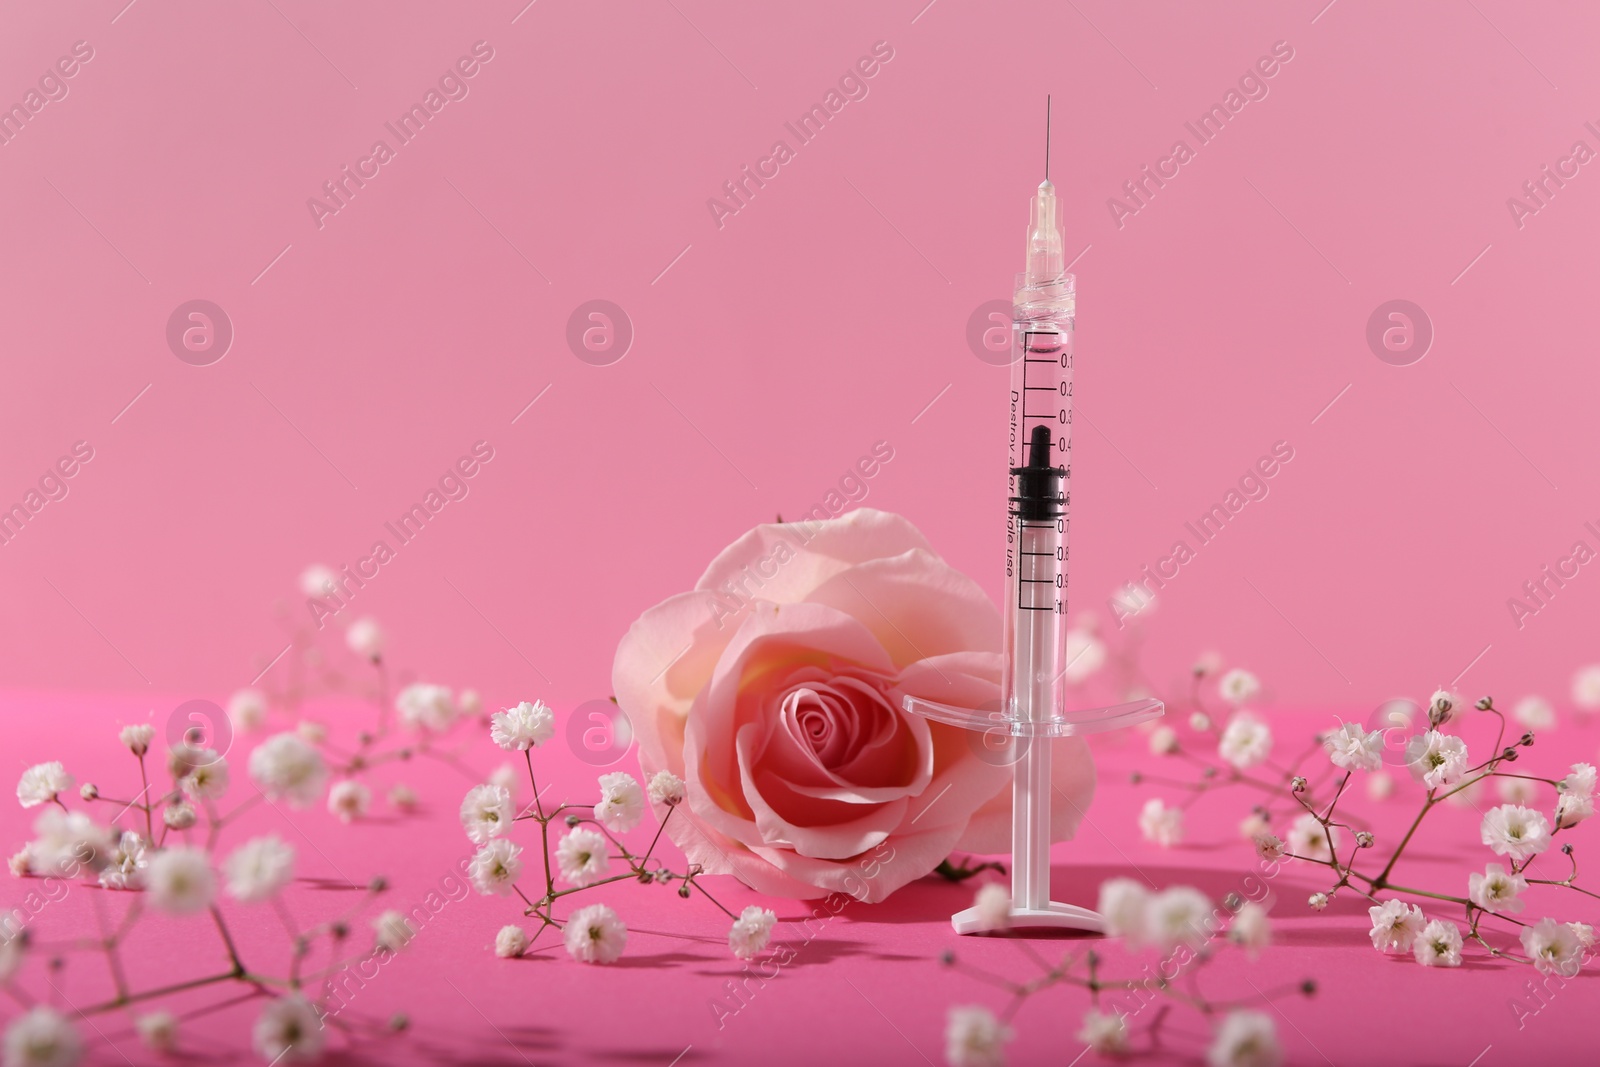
(1036, 541)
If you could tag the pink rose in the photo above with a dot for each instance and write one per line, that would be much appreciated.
(774, 690)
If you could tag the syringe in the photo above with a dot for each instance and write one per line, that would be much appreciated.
(1033, 695)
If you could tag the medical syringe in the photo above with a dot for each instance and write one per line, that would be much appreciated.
(1033, 693)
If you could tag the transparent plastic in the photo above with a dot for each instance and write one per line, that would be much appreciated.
(1033, 691)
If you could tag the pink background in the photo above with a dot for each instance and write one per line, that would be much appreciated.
(772, 352)
(801, 332)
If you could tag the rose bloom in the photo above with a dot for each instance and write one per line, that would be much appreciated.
(774, 690)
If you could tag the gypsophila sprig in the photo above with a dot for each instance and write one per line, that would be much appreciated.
(163, 852)
(1190, 932)
(422, 720)
(580, 849)
(1408, 920)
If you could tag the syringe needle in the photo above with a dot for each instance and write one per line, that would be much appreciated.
(1046, 136)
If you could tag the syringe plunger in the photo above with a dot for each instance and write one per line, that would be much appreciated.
(1039, 485)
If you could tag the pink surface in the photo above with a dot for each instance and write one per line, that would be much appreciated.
(372, 347)
(865, 987)
(570, 158)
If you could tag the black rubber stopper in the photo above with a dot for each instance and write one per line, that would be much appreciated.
(1039, 485)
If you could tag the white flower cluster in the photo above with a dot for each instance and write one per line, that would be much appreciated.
(1178, 917)
(583, 856)
(174, 875)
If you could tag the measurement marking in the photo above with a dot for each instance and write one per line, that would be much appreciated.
(674, 262)
(497, 229)
(1469, 266)
(1298, 230)
(130, 403)
(1467, 668)
(314, 48)
(96, 229)
(269, 266)
(530, 404)
(896, 229)
(1330, 403)
(1296, 629)
(1503, 437)
(523, 12)
(930, 404)
(1324, 11)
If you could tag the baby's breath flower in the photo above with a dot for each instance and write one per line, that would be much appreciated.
(1515, 831)
(258, 869)
(137, 737)
(247, 710)
(1535, 713)
(392, 931)
(349, 800)
(1395, 925)
(423, 706)
(1161, 824)
(365, 639)
(993, 907)
(1246, 741)
(1245, 1039)
(1123, 904)
(495, 868)
(1353, 748)
(595, 935)
(1105, 1032)
(1496, 890)
(750, 932)
(180, 881)
(973, 1037)
(486, 813)
(41, 783)
(1576, 802)
(621, 802)
(179, 815)
(289, 1030)
(41, 1038)
(1553, 947)
(666, 788)
(582, 856)
(1238, 686)
(158, 1030)
(284, 766)
(523, 727)
(510, 942)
